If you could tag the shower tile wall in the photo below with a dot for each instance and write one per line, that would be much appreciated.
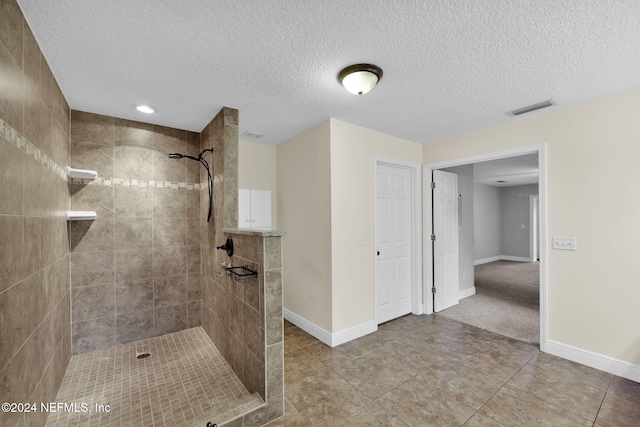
(243, 320)
(34, 247)
(135, 270)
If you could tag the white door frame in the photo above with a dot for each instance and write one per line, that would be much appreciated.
(539, 149)
(416, 288)
(534, 212)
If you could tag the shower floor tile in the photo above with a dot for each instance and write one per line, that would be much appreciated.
(184, 382)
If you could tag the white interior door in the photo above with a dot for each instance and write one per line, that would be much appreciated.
(393, 242)
(445, 245)
(244, 208)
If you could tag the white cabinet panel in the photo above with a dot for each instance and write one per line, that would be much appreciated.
(254, 209)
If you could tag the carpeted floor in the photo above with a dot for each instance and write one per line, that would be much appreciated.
(506, 300)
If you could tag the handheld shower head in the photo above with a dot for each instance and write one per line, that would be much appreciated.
(206, 166)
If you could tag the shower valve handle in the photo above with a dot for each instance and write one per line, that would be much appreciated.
(228, 246)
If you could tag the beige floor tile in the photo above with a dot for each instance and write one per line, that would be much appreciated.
(580, 373)
(371, 375)
(469, 386)
(299, 366)
(479, 420)
(418, 405)
(325, 399)
(372, 415)
(291, 418)
(560, 391)
(513, 407)
(619, 411)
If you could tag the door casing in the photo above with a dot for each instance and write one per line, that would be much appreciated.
(427, 250)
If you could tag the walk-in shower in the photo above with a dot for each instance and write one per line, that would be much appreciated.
(206, 166)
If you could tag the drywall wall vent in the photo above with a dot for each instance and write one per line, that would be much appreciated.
(254, 135)
(532, 107)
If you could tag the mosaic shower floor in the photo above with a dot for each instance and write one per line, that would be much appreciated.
(184, 381)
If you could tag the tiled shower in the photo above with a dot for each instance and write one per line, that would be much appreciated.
(145, 267)
(135, 270)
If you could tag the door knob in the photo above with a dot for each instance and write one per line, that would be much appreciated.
(378, 253)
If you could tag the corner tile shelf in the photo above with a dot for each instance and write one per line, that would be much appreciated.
(81, 173)
(81, 215)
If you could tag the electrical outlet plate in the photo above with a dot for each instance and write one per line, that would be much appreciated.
(564, 243)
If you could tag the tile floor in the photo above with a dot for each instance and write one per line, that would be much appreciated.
(185, 381)
(433, 371)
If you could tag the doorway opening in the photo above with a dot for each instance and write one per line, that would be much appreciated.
(502, 256)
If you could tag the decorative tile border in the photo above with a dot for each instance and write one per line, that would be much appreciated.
(139, 183)
(23, 144)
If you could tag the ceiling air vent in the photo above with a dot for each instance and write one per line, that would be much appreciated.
(532, 107)
(254, 135)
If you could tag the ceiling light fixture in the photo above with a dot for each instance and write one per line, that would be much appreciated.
(360, 78)
(144, 108)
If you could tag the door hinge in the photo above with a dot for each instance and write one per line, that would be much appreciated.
(433, 290)
(433, 237)
(433, 185)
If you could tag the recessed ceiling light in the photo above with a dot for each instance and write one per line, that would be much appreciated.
(360, 78)
(144, 108)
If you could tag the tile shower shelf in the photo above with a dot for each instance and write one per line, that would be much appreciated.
(81, 173)
(81, 215)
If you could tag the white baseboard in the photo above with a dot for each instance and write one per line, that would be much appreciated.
(467, 293)
(501, 258)
(515, 258)
(330, 339)
(486, 260)
(598, 361)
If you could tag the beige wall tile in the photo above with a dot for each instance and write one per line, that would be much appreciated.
(169, 261)
(91, 236)
(89, 155)
(194, 314)
(92, 302)
(169, 231)
(88, 127)
(169, 202)
(134, 295)
(12, 164)
(128, 132)
(133, 233)
(133, 162)
(93, 335)
(134, 326)
(170, 290)
(133, 264)
(93, 198)
(170, 318)
(92, 268)
(133, 202)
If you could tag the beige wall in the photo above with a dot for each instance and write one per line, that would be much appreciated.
(592, 194)
(257, 171)
(353, 149)
(304, 212)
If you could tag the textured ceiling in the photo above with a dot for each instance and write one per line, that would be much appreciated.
(449, 66)
(518, 170)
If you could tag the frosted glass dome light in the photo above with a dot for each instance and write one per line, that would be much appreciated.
(360, 78)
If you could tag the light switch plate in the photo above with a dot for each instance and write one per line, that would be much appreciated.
(363, 239)
(564, 243)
